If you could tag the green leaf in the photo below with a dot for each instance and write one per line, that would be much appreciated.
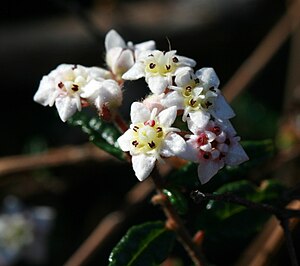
(102, 134)
(225, 223)
(177, 199)
(258, 152)
(143, 245)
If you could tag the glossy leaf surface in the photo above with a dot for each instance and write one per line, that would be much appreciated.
(102, 134)
(143, 245)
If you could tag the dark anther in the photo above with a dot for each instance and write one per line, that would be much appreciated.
(135, 128)
(175, 59)
(188, 88)
(168, 67)
(60, 85)
(75, 87)
(152, 65)
(212, 89)
(192, 102)
(159, 129)
(207, 104)
(216, 130)
(151, 144)
(135, 143)
(197, 80)
(74, 67)
(150, 55)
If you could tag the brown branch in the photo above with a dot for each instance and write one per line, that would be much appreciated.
(52, 157)
(176, 224)
(268, 242)
(282, 214)
(263, 53)
(111, 224)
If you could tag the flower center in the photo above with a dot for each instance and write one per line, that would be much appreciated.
(72, 80)
(161, 64)
(147, 136)
(214, 147)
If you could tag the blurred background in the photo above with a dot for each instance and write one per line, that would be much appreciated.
(76, 182)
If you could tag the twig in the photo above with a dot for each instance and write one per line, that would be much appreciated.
(289, 241)
(282, 214)
(263, 53)
(175, 223)
(111, 224)
(268, 241)
(52, 157)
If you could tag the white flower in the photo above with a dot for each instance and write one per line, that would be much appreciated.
(158, 68)
(105, 92)
(212, 146)
(65, 87)
(121, 56)
(197, 94)
(15, 232)
(149, 137)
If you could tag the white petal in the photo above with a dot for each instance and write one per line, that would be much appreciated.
(183, 76)
(91, 90)
(173, 98)
(124, 141)
(208, 76)
(226, 126)
(111, 93)
(143, 165)
(99, 73)
(157, 84)
(145, 46)
(221, 109)
(45, 94)
(185, 61)
(208, 168)
(154, 101)
(112, 56)
(198, 120)
(173, 145)
(167, 116)
(135, 72)
(139, 113)
(124, 62)
(113, 39)
(66, 107)
(236, 155)
(190, 152)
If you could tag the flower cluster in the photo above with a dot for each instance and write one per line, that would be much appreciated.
(177, 90)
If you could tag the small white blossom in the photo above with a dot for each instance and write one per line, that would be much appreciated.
(68, 85)
(105, 92)
(158, 68)
(149, 137)
(197, 94)
(15, 232)
(121, 56)
(212, 146)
